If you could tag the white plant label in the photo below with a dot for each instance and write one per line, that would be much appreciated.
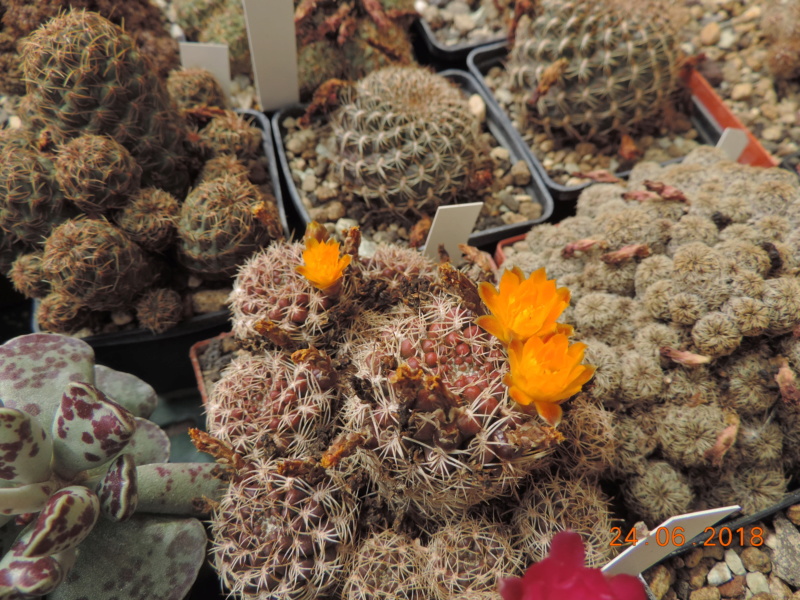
(733, 142)
(451, 226)
(273, 51)
(664, 539)
(211, 57)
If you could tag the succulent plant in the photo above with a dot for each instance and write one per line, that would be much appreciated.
(150, 219)
(594, 69)
(195, 87)
(77, 467)
(114, 92)
(405, 136)
(229, 133)
(159, 309)
(27, 276)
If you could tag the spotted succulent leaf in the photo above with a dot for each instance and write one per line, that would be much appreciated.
(179, 488)
(89, 430)
(149, 443)
(127, 390)
(35, 368)
(168, 552)
(25, 498)
(25, 448)
(118, 491)
(22, 578)
(66, 520)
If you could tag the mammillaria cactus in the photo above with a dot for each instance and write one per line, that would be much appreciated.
(84, 463)
(405, 136)
(374, 406)
(113, 92)
(591, 69)
(195, 87)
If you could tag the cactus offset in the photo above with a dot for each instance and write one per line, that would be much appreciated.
(150, 219)
(28, 277)
(189, 88)
(592, 69)
(159, 310)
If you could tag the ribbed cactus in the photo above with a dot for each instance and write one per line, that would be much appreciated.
(610, 66)
(222, 222)
(86, 76)
(150, 219)
(195, 87)
(94, 262)
(229, 133)
(405, 136)
(77, 466)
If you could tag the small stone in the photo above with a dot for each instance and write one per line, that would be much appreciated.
(773, 133)
(741, 91)
(194, 282)
(343, 225)
(14, 122)
(697, 576)
(752, 13)
(121, 317)
(477, 107)
(500, 155)
(710, 34)
(295, 145)
(757, 583)
(793, 514)
(367, 248)
(715, 552)
(762, 596)
(756, 560)
(511, 218)
(706, 593)
(692, 559)
(659, 580)
(208, 301)
(719, 574)
(778, 589)
(325, 193)
(786, 558)
(727, 39)
(463, 23)
(734, 588)
(509, 200)
(458, 7)
(770, 111)
(734, 562)
(530, 210)
(520, 173)
(332, 211)
(309, 183)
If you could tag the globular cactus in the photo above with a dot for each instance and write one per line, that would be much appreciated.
(189, 88)
(96, 263)
(61, 313)
(97, 174)
(221, 165)
(405, 136)
(229, 133)
(591, 69)
(222, 222)
(28, 277)
(159, 309)
(150, 219)
(113, 92)
(80, 466)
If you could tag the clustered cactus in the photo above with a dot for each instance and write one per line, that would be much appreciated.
(686, 291)
(591, 70)
(93, 186)
(405, 136)
(333, 40)
(85, 477)
(370, 423)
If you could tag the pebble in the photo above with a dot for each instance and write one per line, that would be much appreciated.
(719, 574)
(464, 23)
(309, 183)
(727, 39)
(121, 317)
(734, 562)
(343, 225)
(500, 155)
(331, 211)
(757, 583)
(706, 593)
(756, 560)
(659, 581)
(208, 301)
(741, 91)
(734, 588)
(710, 34)
(773, 133)
(477, 107)
(520, 173)
(793, 514)
(786, 558)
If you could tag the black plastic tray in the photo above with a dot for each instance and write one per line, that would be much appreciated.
(454, 56)
(498, 127)
(163, 359)
(482, 59)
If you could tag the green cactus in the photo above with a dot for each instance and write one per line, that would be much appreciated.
(229, 133)
(112, 92)
(150, 219)
(94, 262)
(84, 463)
(195, 87)
(405, 136)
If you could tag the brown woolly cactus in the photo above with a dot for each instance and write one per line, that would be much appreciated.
(592, 69)
(159, 310)
(229, 133)
(60, 313)
(388, 566)
(97, 174)
(96, 263)
(27, 275)
(405, 136)
(150, 219)
(195, 87)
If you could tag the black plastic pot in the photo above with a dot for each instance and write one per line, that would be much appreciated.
(499, 128)
(163, 359)
(482, 59)
(454, 56)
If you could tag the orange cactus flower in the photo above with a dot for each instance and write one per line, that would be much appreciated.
(545, 372)
(522, 308)
(323, 266)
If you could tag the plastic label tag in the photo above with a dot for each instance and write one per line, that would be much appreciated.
(660, 541)
(733, 142)
(211, 57)
(273, 51)
(451, 226)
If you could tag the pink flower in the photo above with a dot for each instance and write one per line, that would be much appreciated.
(563, 576)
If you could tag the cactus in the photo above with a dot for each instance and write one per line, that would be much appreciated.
(781, 25)
(405, 136)
(97, 174)
(195, 87)
(159, 310)
(80, 468)
(221, 223)
(61, 313)
(114, 92)
(150, 219)
(94, 262)
(229, 133)
(592, 69)
(27, 276)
